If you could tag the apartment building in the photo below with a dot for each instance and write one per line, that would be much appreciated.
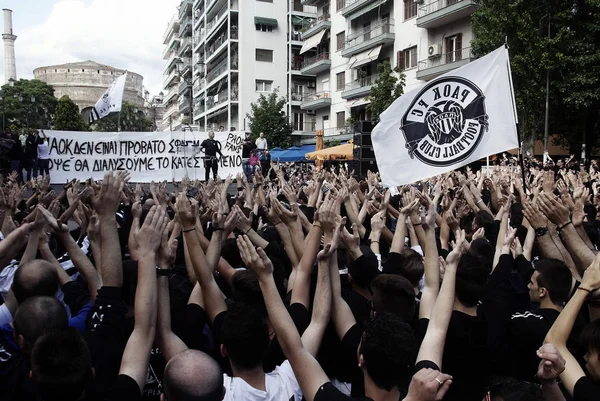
(178, 69)
(334, 70)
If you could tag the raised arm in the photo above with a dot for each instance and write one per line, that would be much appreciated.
(561, 329)
(432, 266)
(432, 347)
(308, 371)
(137, 351)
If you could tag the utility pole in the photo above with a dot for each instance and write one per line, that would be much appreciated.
(547, 117)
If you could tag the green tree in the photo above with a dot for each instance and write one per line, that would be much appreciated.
(574, 63)
(388, 87)
(132, 119)
(68, 117)
(29, 104)
(267, 115)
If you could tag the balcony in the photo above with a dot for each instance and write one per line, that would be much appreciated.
(315, 101)
(381, 33)
(185, 26)
(316, 64)
(353, 9)
(360, 87)
(216, 19)
(298, 8)
(185, 7)
(183, 86)
(185, 47)
(436, 66)
(170, 94)
(169, 80)
(442, 12)
(215, 101)
(304, 128)
(198, 13)
(322, 22)
(311, 2)
(217, 70)
(216, 45)
(184, 105)
(172, 27)
(199, 86)
(199, 109)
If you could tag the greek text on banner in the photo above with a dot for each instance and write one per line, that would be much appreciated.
(149, 156)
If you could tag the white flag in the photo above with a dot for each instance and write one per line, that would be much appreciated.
(111, 100)
(460, 117)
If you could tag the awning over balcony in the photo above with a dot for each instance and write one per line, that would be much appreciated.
(313, 41)
(359, 102)
(365, 57)
(366, 9)
(265, 21)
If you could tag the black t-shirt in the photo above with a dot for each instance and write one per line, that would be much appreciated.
(16, 150)
(247, 147)
(124, 388)
(328, 392)
(466, 357)
(31, 147)
(585, 390)
(211, 147)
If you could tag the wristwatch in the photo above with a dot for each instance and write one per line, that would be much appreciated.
(541, 231)
(162, 272)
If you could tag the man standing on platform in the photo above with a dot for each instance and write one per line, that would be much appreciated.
(211, 147)
(261, 143)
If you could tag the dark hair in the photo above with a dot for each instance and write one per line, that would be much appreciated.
(412, 266)
(35, 278)
(590, 211)
(388, 348)
(590, 337)
(555, 276)
(193, 376)
(471, 279)
(512, 390)
(484, 219)
(364, 269)
(245, 335)
(393, 294)
(61, 365)
(245, 289)
(36, 316)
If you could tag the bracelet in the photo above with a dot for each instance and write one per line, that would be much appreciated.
(564, 225)
(318, 225)
(250, 229)
(480, 200)
(275, 223)
(374, 242)
(215, 228)
(585, 289)
(188, 230)
(417, 224)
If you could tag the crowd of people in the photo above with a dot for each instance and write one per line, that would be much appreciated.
(317, 285)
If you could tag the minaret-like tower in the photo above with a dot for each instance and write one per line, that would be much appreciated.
(10, 64)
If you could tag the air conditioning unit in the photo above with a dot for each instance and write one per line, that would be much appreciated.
(435, 50)
(311, 112)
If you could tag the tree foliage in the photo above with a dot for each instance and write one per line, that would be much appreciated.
(388, 87)
(68, 117)
(570, 54)
(21, 112)
(267, 115)
(132, 119)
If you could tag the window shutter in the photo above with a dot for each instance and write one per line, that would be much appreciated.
(401, 60)
(459, 46)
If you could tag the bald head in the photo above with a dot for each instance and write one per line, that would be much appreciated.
(35, 278)
(193, 376)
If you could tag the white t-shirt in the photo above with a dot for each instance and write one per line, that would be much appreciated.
(261, 143)
(281, 385)
(43, 151)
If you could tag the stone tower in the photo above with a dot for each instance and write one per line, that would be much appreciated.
(10, 64)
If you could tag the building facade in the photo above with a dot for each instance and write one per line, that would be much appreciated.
(321, 54)
(85, 82)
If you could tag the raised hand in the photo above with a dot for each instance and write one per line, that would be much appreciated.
(378, 221)
(255, 259)
(534, 216)
(428, 385)
(108, 200)
(186, 212)
(149, 237)
(552, 363)
(457, 250)
(556, 212)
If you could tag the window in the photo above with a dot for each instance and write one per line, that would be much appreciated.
(340, 4)
(407, 58)
(341, 81)
(264, 28)
(266, 1)
(264, 86)
(341, 119)
(453, 48)
(264, 55)
(341, 39)
(410, 9)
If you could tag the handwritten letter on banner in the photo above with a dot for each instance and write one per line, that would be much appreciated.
(149, 156)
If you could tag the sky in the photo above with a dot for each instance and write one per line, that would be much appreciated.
(124, 34)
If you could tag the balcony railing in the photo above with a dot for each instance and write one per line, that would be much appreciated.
(362, 82)
(381, 27)
(235, 5)
(216, 44)
(199, 109)
(312, 96)
(313, 60)
(215, 100)
(216, 18)
(217, 70)
(185, 23)
(435, 6)
(168, 80)
(304, 126)
(447, 58)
